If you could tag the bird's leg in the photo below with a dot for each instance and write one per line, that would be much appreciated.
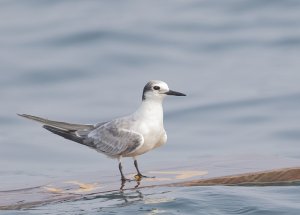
(139, 175)
(138, 183)
(122, 175)
(122, 185)
(123, 178)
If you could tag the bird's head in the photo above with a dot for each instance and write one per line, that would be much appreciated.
(158, 90)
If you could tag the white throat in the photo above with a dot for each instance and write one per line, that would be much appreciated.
(151, 109)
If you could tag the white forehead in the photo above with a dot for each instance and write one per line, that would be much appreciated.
(161, 84)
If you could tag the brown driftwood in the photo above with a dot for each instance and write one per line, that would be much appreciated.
(285, 176)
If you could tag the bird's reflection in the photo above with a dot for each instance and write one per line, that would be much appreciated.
(137, 183)
(125, 196)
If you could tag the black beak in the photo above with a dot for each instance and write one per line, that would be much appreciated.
(174, 93)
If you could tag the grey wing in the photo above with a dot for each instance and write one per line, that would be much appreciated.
(114, 141)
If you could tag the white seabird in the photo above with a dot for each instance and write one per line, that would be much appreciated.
(129, 136)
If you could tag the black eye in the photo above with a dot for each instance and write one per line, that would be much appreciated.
(156, 88)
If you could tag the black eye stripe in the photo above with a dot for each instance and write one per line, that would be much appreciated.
(156, 88)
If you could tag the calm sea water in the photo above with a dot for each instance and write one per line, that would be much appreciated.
(87, 61)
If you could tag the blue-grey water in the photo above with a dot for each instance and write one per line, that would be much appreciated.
(87, 61)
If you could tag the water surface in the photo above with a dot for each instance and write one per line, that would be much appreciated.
(81, 61)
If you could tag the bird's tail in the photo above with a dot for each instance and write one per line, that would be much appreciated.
(74, 132)
(58, 124)
(66, 134)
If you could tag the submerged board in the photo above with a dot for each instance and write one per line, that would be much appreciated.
(221, 172)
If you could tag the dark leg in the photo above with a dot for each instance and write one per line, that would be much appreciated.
(122, 185)
(139, 175)
(120, 168)
(123, 178)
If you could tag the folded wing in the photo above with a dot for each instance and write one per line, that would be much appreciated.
(114, 141)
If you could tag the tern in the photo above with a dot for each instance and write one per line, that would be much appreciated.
(128, 136)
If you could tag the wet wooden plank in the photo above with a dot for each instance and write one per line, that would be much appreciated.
(277, 177)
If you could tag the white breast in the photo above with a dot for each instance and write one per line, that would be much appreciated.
(149, 123)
